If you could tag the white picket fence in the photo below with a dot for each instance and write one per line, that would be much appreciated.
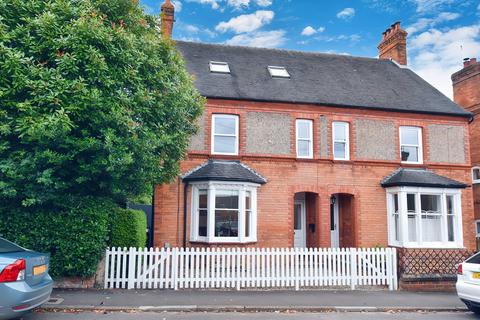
(238, 268)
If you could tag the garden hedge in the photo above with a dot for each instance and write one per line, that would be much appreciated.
(75, 235)
(128, 228)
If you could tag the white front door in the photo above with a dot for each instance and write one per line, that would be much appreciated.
(334, 225)
(299, 224)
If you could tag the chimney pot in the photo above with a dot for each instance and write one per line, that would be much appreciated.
(167, 19)
(394, 44)
(469, 61)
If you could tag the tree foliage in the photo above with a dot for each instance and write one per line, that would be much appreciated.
(93, 102)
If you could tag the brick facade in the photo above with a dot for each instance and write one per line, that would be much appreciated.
(363, 212)
(466, 92)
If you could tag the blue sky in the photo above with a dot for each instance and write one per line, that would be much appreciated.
(441, 32)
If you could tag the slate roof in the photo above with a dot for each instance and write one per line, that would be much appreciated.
(315, 78)
(419, 178)
(224, 170)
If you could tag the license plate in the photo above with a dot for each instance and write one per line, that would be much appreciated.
(39, 269)
(476, 275)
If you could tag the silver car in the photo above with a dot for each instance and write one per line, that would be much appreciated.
(24, 280)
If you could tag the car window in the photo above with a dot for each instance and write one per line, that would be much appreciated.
(7, 246)
(474, 259)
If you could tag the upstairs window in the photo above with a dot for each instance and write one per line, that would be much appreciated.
(278, 72)
(411, 149)
(219, 67)
(304, 138)
(341, 148)
(476, 175)
(225, 134)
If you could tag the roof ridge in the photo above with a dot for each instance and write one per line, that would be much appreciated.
(287, 51)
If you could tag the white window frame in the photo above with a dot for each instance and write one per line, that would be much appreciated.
(403, 217)
(477, 228)
(310, 140)
(283, 73)
(475, 181)
(214, 64)
(419, 146)
(346, 141)
(212, 187)
(216, 116)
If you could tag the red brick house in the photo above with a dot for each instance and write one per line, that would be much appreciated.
(319, 150)
(466, 91)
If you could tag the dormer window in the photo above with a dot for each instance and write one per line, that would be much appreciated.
(278, 72)
(219, 67)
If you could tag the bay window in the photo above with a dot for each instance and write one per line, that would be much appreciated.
(223, 212)
(424, 217)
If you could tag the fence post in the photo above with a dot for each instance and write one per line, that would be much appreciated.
(107, 259)
(394, 269)
(353, 266)
(296, 266)
(175, 268)
(389, 268)
(131, 267)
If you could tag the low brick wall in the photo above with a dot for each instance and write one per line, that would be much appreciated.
(429, 269)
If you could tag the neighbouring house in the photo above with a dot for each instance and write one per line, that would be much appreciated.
(302, 149)
(466, 92)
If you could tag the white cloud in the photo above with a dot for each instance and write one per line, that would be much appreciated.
(191, 28)
(429, 6)
(246, 22)
(264, 3)
(343, 37)
(436, 54)
(309, 30)
(177, 4)
(238, 4)
(346, 14)
(424, 23)
(213, 3)
(267, 39)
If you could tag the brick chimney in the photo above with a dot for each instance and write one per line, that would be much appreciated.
(167, 16)
(466, 86)
(394, 44)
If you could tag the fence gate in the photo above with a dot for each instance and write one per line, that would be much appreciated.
(238, 268)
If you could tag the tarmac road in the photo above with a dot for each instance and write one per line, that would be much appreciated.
(41, 315)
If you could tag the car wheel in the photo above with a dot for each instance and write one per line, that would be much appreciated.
(475, 310)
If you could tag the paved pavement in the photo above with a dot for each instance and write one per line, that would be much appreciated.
(252, 316)
(211, 300)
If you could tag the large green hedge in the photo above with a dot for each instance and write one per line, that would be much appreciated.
(128, 228)
(75, 236)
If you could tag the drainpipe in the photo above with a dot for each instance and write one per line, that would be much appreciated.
(185, 191)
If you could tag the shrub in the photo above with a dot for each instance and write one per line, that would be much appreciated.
(75, 236)
(128, 228)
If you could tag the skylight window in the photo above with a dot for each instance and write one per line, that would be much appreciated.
(219, 67)
(278, 72)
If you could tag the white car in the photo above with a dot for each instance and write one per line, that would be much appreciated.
(468, 283)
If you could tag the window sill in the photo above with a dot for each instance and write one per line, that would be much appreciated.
(412, 163)
(428, 246)
(223, 241)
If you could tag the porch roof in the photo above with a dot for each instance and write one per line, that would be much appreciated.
(224, 170)
(420, 178)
